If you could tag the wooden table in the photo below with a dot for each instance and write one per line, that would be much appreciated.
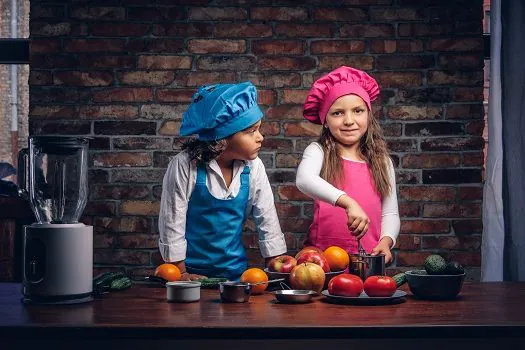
(486, 316)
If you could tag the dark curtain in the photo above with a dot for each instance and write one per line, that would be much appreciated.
(513, 136)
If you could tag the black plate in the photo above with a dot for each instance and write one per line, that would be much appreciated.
(363, 299)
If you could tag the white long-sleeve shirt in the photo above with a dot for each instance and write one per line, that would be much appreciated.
(313, 185)
(177, 187)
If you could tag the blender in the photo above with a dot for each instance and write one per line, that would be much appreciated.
(57, 249)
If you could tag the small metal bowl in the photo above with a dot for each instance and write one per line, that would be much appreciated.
(294, 296)
(235, 292)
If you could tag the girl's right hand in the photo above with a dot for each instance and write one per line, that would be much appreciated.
(358, 221)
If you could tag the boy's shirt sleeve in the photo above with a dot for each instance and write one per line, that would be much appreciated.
(390, 222)
(271, 238)
(173, 208)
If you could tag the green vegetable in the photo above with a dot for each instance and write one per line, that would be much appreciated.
(212, 282)
(400, 279)
(435, 264)
(120, 283)
(454, 268)
(106, 278)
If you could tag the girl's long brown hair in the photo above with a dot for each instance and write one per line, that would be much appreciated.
(373, 148)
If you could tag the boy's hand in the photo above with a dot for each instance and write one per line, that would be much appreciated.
(191, 277)
(384, 248)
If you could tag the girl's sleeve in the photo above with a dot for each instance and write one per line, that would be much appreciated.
(173, 208)
(390, 223)
(308, 178)
(271, 238)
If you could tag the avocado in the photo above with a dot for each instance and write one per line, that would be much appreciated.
(435, 264)
(453, 268)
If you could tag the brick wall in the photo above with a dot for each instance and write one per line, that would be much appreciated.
(5, 78)
(123, 72)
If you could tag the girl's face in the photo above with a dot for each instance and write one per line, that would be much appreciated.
(347, 119)
(245, 144)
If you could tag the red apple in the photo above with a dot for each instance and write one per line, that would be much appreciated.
(316, 258)
(345, 285)
(307, 276)
(308, 249)
(283, 263)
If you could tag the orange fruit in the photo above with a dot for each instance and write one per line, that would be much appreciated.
(337, 258)
(168, 271)
(255, 275)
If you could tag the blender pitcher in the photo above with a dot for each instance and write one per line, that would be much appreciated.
(57, 248)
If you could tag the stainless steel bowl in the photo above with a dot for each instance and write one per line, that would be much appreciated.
(235, 292)
(294, 296)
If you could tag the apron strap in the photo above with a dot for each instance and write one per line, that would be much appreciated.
(245, 177)
(201, 174)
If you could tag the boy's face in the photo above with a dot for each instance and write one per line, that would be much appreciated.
(245, 144)
(347, 119)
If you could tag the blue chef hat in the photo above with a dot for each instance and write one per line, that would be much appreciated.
(221, 110)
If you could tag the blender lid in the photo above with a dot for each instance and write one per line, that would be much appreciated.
(60, 141)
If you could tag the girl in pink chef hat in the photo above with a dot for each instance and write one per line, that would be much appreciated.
(348, 171)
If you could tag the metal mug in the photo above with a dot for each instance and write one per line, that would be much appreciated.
(367, 265)
(235, 292)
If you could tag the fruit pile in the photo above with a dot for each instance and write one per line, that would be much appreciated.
(348, 285)
(436, 265)
(308, 268)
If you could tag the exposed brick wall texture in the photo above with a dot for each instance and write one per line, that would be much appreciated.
(124, 71)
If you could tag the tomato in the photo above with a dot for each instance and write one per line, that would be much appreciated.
(346, 285)
(380, 286)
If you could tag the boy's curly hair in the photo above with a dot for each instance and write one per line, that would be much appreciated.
(204, 151)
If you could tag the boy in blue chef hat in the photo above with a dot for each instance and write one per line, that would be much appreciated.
(215, 183)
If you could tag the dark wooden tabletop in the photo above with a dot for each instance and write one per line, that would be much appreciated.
(482, 310)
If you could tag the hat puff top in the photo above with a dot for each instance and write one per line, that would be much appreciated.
(221, 110)
(342, 81)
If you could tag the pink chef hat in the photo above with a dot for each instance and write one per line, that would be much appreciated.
(342, 81)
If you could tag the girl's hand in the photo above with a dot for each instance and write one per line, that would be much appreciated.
(384, 248)
(191, 277)
(358, 221)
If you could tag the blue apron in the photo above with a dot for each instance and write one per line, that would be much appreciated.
(214, 230)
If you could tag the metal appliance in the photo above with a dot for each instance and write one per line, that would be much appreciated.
(57, 248)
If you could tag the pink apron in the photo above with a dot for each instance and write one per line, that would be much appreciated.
(329, 226)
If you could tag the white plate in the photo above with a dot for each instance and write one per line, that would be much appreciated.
(364, 299)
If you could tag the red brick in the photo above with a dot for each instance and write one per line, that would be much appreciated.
(122, 224)
(100, 208)
(120, 29)
(287, 210)
(304, 30)
(146, 143)
(277, 144)
(277, 47)
(217, 13)
(329, 63)
(53, 112)
(80, 78)
(386, 62)
(474, 159)
(470, 193)
(427, 193)
(251, 30)
(123, 95)
(302, 129)
(164, 62)
(149, 78)
(392, 46)
(40, 78)
(425, 29)
(47, 11)
(408, 209)
(408, 177)
(408, 242)
(278, 13)
(398, 79)
(155, 14)
(287, 160)
(170, 128)
(402, 145)
(411, 258)
(141, 176)
(103, 240)
(341, 14)
(94, 45)
(234, 63)
(119, 257)
(400, 112)
(425, 226)
(392, 129)
(216, 46)
(456, 44)
(119, 192)
(138, 241)
(109, 111)
(391, 14)
(452, 210)
(120, 62)
(337, 46)
(454, 78)
(285, 112)
(427, 161)
(366, 30)
(366, 2)
(467, 259)
(122, 159)
(295, 224)
(465, 111)
(452, 242)
(286, 63)
(295, 96)
(452, 144)
(174, 95)
(183, 30)
(149, 208)
(98, 13)
(203, 78)
(163, 45)
(277, 80)
(49, 29)
(461, 62)
(43, 45)
(266, 97)
(468, 94)
(270, 129)
(467, 226)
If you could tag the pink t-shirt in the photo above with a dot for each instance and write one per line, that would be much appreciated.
(329, 226)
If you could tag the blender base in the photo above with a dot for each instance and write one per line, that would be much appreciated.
(65, 300)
